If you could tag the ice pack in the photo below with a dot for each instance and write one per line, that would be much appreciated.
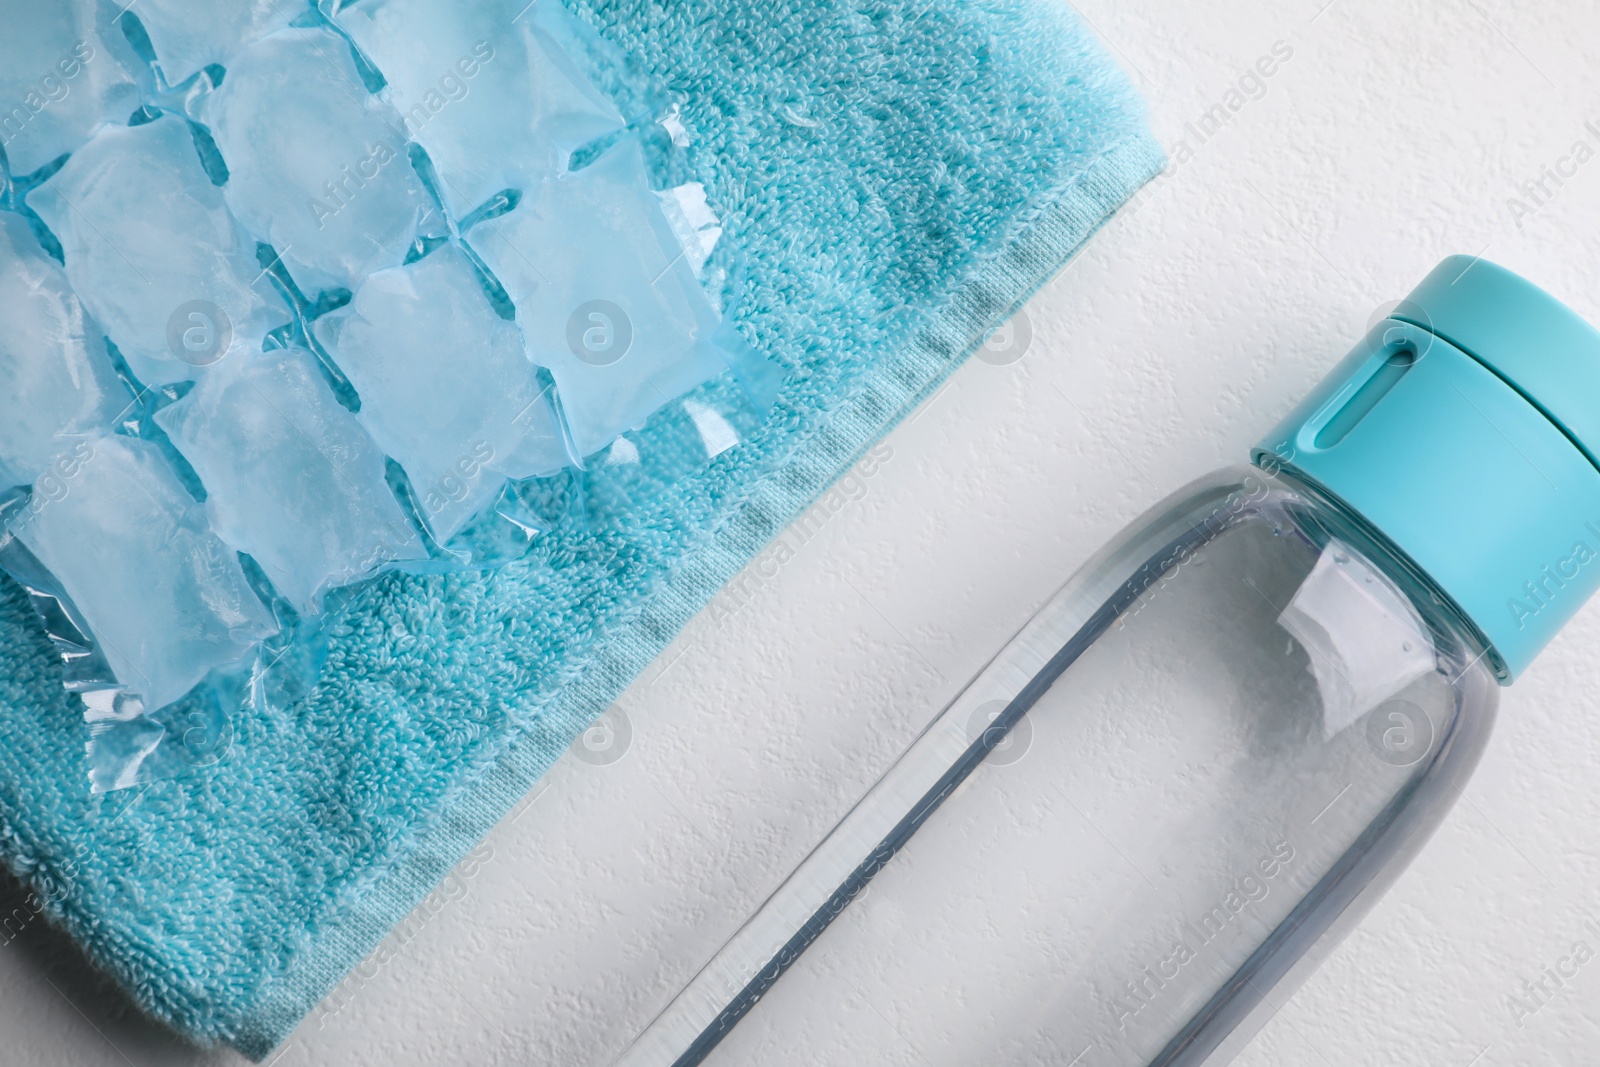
(295, 296)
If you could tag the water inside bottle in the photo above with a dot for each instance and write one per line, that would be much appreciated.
(1157, 814)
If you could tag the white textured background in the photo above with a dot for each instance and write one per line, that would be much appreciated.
(1394, 135)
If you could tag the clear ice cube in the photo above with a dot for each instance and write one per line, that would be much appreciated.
(605, 295)
(165, 599)
(58, 78)
(291, 477)
(188, 35)
(56, 384)
(318, 165)
(445, 386)
(483, 88)
(153, 252)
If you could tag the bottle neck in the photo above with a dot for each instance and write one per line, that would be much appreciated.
(1437, 608)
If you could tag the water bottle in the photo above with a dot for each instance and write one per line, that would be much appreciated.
(1153, 812)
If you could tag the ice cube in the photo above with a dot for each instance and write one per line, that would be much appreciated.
(483, 87)
(153, 252)
(59, 79)
(290, 476)
(605, 295)
(56, 384)
(188, 35)
(318, 165)
(445, 386)
(165, 599)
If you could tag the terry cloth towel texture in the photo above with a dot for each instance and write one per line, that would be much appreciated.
(897, 178)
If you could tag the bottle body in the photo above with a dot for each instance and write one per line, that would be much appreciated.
(1187, 775)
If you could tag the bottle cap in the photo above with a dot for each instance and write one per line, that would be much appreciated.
(1465, 428)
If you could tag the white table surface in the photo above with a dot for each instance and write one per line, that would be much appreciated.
(1394, 135)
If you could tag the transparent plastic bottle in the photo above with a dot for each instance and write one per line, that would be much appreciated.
(1196, 767)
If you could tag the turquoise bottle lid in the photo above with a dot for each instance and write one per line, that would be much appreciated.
(1465, 427)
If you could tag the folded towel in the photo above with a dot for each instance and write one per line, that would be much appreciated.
(896, 177)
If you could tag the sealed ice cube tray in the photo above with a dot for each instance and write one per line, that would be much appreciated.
(292, 296)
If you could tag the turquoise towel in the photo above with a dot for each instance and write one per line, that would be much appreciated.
(898, 178)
